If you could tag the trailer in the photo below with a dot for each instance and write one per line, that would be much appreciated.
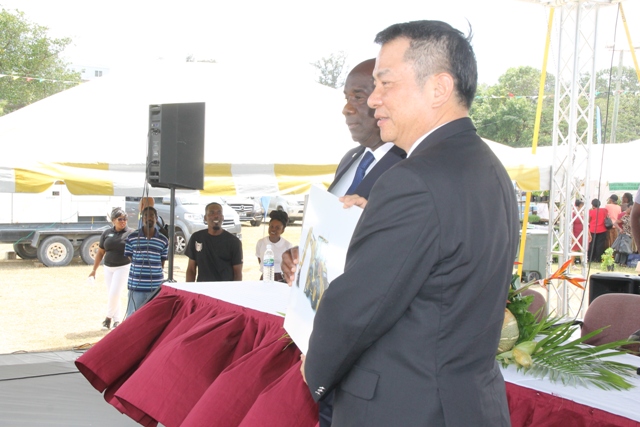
(55, 226)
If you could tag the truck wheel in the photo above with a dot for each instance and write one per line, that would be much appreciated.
(180, 243)
(256, 222)
(55, 251)
(89, 249)
(25, 250)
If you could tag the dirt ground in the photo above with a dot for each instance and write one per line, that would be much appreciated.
(45, 308)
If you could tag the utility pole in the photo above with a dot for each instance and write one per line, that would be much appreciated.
(616, 96)
(616, 101)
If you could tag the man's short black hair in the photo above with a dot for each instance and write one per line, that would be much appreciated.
(206, 208)
(436, 47)
(151, 209)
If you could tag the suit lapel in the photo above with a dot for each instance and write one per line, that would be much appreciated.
(393, 156)
(345, 163)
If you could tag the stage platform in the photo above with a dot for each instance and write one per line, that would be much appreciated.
(46, 389)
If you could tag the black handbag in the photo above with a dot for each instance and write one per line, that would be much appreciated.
(608, 223)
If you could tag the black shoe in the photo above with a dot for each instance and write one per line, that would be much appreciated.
(115, 324)
(106, 325)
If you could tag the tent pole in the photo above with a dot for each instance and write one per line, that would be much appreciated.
(172, 229)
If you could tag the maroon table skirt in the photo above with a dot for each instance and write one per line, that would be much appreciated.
(186, 359)
(189, 360)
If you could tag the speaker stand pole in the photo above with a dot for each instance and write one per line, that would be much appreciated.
(172, 229)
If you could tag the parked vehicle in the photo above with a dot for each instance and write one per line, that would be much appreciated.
(293, 205)
(248, 208)
(55, 226)
(189, 216)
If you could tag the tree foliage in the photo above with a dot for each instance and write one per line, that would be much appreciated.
(332, 71)
(628, 124)
(505, 112)
(31, 60)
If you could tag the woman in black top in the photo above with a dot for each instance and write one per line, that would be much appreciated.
(116, 265)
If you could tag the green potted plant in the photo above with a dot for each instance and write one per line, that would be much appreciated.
(608, 262)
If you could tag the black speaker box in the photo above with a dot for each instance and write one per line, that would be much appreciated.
(607, 283)
(176, 146)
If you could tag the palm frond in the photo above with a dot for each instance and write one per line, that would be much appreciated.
(557, 357)
(576, 364)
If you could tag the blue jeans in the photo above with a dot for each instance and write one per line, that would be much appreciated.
(136, 300)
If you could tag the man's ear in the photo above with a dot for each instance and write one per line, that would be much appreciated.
(443, 87)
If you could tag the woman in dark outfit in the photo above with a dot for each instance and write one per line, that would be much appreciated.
(116, 265)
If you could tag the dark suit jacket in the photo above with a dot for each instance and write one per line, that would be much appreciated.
(393, 156)
(407, 336)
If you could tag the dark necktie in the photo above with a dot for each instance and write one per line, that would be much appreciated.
(365, 162)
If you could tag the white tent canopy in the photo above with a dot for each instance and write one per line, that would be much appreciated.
(265, 133)
(611, 167)
(268, 131)
(531, 172)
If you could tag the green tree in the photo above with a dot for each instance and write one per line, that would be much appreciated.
(332, 70)
(31, 61)
(628, 126)
(505, 112)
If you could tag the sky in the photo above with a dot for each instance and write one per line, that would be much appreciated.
(282, 36)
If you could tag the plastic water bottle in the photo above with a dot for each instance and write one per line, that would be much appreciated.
(268, 265)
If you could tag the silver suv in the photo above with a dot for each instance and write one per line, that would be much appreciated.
(293, 205)
(248, 208)
(189, 216)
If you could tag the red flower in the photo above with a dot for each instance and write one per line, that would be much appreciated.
(562, 274)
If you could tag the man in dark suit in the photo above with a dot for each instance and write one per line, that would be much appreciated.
(381, 156)
(407, 336)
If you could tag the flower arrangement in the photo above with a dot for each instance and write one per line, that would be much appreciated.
(542, 348)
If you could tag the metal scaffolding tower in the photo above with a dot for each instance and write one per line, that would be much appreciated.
(573, 134)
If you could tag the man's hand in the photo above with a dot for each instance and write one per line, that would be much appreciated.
(290, 264)
(353, 200)
(302, 368)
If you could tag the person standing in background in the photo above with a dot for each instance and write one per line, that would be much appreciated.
(598, 230)
(635, 220)
(627, 202)
(277, 225)
(624, 243)
(578, 227)
(148, 250)
(116, 265)
(613, 210)
(215, 255)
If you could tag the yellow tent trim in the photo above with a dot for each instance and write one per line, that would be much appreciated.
(527, 177)
(294, 179)
(77, 181)
(31, 181)
(218, 179)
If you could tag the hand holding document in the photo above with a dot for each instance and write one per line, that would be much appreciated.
(324, 240)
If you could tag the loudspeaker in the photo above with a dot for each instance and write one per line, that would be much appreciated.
(176, 146)
(607, 283)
